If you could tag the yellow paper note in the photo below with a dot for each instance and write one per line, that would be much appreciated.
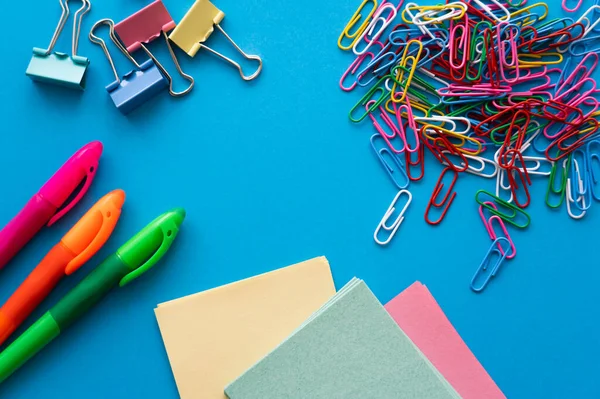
(214, 336)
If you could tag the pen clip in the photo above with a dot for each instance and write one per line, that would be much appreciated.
(169, 231)
(110, 216)
(88, 178)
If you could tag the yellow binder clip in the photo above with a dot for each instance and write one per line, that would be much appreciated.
(60, 68)
(197, 26)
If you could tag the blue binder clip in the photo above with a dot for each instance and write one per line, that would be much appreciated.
(137, 86)
(138, 30)
(60, 68)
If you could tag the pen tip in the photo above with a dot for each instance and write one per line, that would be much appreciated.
(179, 215)
(118, 198)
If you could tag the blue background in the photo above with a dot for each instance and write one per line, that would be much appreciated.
(272, 173)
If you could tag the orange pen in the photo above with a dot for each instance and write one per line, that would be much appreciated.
(82, 242)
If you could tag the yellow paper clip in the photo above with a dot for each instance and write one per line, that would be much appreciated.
(197, 26)
(354, 21)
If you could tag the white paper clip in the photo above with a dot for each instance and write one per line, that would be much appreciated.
(394, 227)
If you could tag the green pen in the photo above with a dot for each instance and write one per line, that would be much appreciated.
(130, 261)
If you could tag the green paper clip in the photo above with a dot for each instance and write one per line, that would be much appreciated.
(60, 68)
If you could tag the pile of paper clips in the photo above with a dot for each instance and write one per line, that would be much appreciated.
(134, 33)
(478, 85)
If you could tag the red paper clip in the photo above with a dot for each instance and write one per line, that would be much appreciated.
(521, 127)
(441, 146)
(420, 162)
(523, 177)
(444, 202)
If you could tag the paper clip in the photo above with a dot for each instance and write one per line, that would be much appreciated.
(411, 125)
(583, 194)
(511, 217)
(369, 30)
(60, 68)
(500, 186)
(136, 87)
(354, 36)
(523, 176)
(552, 189)
(400, 179)
(442, 147)
(564, 6)
(143, 27)
(473, 169)
(352, 70)
(579, 186)
(375, 96)
(196, 27)
(394, 227)
(419, 162)
(489, 227)
(593, 172)
(491, 264)
(446, 201)
(497, 6)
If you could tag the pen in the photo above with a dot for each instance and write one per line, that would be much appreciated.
(130, 261)
(44, 207)
(82, 242)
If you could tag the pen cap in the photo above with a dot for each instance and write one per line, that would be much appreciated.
(92, 231)
(82, 165)
(147, 247)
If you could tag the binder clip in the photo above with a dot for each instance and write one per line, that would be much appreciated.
(137, 86)
(196, 27)
(60, 68)
(145, 26)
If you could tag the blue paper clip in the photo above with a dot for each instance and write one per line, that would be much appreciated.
(60, 68)
(591, 157)
(137, 86)
(495, 252)
(400, 179)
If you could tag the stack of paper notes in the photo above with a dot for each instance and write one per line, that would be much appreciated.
(288, 335)
(421, 318)
(214, 336)
(350, 349)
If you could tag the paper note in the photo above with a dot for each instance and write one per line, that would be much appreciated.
(214, 336)
(350, 349)
(421, 318)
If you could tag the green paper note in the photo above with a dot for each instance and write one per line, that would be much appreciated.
(349, 349)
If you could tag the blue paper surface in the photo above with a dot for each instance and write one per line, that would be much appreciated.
(271, 173)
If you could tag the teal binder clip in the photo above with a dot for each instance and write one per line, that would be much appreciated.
(60, 68)
(135, 87)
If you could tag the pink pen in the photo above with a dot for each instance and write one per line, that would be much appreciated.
(42, 208)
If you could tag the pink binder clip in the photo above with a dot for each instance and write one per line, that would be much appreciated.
(143, 27)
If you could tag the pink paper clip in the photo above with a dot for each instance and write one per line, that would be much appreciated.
(488, 223)
(352, 70)
(411, 125)
(394, 132)
(143, 27)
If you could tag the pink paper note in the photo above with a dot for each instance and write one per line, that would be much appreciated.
(421, 318)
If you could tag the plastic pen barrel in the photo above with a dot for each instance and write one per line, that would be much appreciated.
(33, 290)
(21, 229)
(78, 301)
